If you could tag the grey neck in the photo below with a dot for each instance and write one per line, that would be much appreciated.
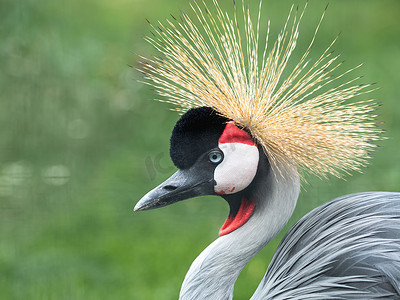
(213, 273)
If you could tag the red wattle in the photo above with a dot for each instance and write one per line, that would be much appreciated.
(244, 213)
(233, 134)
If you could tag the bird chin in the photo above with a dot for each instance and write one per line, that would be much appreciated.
(238, 219)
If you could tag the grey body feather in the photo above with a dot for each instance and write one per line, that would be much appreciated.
(348, 248)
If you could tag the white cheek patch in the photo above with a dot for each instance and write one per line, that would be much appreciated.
(238, 168)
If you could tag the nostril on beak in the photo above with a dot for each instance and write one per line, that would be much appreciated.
(170, 187)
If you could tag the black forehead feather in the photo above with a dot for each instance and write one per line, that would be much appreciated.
(196, 132)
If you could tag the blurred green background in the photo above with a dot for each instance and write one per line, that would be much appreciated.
(81, 141)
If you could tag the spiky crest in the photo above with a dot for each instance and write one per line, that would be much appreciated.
(299, 125)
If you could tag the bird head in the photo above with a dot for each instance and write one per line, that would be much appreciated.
(214, 157)
(265, 116)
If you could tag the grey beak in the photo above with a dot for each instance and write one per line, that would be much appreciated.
(183, 184)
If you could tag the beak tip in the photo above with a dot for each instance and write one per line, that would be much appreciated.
(145, 203)
(138, 207)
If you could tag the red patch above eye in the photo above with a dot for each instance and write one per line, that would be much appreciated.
(233, 134)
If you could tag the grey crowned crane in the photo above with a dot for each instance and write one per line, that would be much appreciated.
(246, 133)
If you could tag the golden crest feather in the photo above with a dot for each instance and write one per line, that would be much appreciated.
(301, 123)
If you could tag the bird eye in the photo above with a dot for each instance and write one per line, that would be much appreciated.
(215, 157)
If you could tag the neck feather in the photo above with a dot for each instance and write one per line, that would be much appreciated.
(214, 272)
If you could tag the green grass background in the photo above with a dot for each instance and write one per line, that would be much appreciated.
(80, 137)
